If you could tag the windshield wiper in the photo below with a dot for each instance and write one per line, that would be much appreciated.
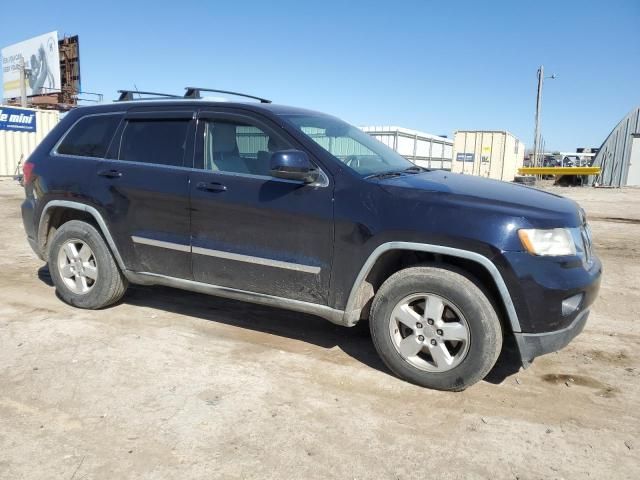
(384, 175)
(415, 169)
(397, 173)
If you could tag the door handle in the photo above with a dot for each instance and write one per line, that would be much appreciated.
(211, 187)
(110, 173)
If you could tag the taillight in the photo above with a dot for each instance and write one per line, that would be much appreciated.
(27, 173)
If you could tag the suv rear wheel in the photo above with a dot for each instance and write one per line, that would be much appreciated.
(82, 267)
(435, 327)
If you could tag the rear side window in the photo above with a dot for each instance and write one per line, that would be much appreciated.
(90, 136)
(161, 142)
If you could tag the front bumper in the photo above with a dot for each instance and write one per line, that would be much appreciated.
(538, 288)
(532, 345)
(539, 285)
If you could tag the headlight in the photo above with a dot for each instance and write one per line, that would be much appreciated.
(555, 241)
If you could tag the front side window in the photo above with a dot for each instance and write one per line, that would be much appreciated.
(161, 142)
(238, 147)
(90, 136)
(350, 145)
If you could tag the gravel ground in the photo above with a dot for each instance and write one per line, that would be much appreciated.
(169, 384)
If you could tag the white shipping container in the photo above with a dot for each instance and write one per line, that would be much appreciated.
(491, 154)
(424, 149)
(16, 146)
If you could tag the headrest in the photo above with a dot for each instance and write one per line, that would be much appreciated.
(224, 138)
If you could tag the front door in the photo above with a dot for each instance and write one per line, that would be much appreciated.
(146, 190)
(250, 231)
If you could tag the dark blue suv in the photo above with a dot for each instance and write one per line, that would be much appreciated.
(300, 210)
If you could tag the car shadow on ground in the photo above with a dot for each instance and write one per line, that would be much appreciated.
(355, 341)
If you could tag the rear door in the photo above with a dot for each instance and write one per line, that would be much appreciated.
(144, 185)
(250, 231)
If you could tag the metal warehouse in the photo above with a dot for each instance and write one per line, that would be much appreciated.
(424, 149)
(21, 130)
(491, 154)
(619, 155)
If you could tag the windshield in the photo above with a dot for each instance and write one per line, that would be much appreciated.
(357, 150)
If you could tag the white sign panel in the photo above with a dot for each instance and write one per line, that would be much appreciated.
(42, 61)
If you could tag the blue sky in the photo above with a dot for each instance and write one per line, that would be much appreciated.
(432, 66)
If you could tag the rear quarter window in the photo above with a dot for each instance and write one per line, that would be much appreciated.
(90, 136)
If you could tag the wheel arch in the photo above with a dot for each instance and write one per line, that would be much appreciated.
(363, 289)
(57, 212)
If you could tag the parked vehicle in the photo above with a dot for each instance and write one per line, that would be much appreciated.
(299, 210)
(550, 161)
(570, 161)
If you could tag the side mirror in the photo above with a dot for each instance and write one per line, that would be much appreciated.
(293, 165)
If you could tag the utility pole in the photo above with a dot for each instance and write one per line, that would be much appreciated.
(23, 81)
(536, 136)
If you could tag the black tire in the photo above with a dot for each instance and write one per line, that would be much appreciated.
(110, 285)
(460, 290)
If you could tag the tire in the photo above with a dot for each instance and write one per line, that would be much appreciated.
(467, 315)
(108, 286)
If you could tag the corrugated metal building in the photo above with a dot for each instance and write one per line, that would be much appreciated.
(619, 155)
(18, 145)
(491, 154)
(424, 149)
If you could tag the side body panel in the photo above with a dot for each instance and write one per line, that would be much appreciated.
(148, 204)
(258, 233)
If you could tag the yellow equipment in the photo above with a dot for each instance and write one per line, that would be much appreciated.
(559, 170)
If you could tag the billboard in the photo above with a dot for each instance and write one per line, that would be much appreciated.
(41, 58)
(17, 119)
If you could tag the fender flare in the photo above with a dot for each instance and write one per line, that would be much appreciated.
(352, 312)
(91, 211)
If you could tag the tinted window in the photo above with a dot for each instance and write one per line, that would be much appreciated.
(238, 147)
(90, 137)
(154, 141)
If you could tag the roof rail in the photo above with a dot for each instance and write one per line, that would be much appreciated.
(194, 92)
(127, 95)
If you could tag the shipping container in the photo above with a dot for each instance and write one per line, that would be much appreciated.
(21, 130)
(423, 149)
(490, 154)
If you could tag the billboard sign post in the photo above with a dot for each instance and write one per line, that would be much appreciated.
(41, 57)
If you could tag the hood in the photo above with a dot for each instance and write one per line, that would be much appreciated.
(541, 209)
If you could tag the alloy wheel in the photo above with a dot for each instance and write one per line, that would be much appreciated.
(429, 332)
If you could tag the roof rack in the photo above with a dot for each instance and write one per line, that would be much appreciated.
(194, 92)
(127, 95)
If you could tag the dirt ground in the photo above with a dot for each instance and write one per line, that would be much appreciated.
(169, 384)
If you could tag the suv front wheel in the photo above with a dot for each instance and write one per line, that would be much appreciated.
(435, 327)
(82, 267)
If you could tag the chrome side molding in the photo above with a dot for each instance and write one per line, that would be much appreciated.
(160, 243)
(238, 257)
(298, 267)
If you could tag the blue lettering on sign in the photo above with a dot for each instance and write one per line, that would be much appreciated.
(17, 119)
(465, 157)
